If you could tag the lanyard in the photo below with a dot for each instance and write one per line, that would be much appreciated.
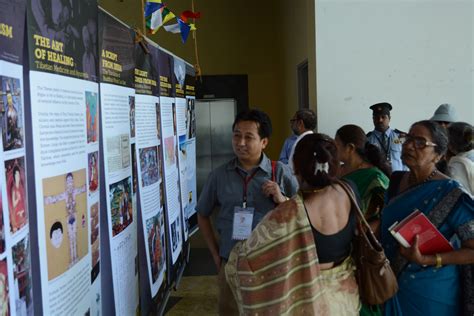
(246, 183)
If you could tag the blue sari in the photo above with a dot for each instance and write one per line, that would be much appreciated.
(427, 290)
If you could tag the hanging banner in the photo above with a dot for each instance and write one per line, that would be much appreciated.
(187, 150)
(150, 166)
(187, 145)
(117, 95)
(16, 296)
(62, 39)
(169, 142)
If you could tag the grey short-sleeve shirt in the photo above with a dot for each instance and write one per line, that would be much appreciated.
(224, 188)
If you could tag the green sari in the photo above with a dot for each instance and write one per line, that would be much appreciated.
(371, 184)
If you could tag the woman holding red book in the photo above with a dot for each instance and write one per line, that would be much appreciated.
(429, 284)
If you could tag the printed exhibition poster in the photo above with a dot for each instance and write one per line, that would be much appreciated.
(169, 142)
(150, 162)
(64, 117)
(16, 296)
(187, 141)
(117, 95)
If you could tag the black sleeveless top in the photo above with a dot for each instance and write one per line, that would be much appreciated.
(335, 247)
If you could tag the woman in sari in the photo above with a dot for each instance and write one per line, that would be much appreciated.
(297, 260)
(368, 170)
(428, 284)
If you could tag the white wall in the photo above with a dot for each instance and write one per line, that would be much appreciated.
(415, 54)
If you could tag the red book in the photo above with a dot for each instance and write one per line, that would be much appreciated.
(430, 240)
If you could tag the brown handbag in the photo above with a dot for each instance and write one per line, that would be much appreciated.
(376, 280)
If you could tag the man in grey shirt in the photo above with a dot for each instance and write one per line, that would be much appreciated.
(245, 189)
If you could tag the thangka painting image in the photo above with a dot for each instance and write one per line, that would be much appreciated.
(149, 165)
(121, 205)
(158, 121)
(155, 248)
(22, 278)
(134, 170)
(92, 117)
(170, 147)
(65, 220)
(16, 192)
(95, 240)
(131, 103)
(11, 109)
(93, 171)
(4, 304)
(2, 227)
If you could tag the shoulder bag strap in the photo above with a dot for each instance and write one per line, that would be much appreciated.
(354, 203)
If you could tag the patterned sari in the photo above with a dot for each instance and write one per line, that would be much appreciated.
(428, 290)
(276, 271)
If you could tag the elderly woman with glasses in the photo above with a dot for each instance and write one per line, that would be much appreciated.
(430, 284)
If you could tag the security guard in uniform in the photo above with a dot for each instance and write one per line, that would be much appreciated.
(384, 137)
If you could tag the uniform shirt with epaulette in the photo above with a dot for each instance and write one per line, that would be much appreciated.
(390, 145)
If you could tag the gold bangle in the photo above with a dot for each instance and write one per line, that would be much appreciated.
(439, 261)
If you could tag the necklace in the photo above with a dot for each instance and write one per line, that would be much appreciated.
(314, 190)
(412, 179)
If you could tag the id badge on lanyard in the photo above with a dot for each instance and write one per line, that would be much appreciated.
(242, 224)
(243, 216)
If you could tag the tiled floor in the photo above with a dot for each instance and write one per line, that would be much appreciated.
(197, 291)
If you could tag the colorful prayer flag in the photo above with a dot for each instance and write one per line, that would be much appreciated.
(156, 14)
(185, 15)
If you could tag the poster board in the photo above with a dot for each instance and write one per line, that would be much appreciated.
(15, 246)
(65, 135)
(117, 95)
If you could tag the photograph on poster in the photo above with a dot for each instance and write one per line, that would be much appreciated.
(131, 103)
(65, 217)
(170, 156)
(190, 119)
(4, 301)
(134, 169)
(11, 109)
(121, 205)
(149, 165)
(21, 278)
(175, 126)
(118, 150)
(95, 239)
(153, 229)
(92, 112)
(175, 233)
(158, 121)
(2, 226)
(162, 195)
(16, 193)
(72, 23)
(93, 171)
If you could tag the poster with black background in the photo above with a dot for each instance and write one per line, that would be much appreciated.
(12, 27)
(63, 37)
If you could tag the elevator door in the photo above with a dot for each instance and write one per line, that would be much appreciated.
(214, 120)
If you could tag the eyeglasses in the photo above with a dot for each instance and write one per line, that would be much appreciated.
(418, 142)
